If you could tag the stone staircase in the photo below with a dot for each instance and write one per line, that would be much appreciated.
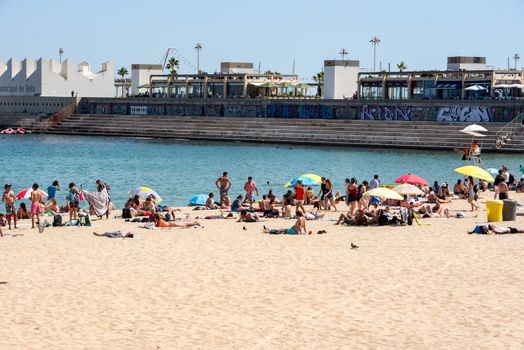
(364, 133)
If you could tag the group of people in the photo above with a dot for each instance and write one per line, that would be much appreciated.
(44, 205)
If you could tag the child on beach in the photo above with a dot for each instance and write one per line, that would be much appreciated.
(8, 197)
(297, 229)
(73, 201)
(36, 206)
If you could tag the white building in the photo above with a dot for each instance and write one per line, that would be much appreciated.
(140, 74)
(236, 68)
(467, 63)
(50, 78)
(340, 78)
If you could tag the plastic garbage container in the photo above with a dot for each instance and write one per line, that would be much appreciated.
(494, 210)
(509, 211)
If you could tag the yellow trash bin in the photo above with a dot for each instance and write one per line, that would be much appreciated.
(494, 210)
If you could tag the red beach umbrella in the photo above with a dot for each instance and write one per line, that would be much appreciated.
(26, 194)
(411, 179)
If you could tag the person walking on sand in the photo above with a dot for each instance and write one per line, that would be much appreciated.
(223, 183)
(472, 194)
(329, 197)
(300, 196)
(8, 197)
(250, 187)
(36, 206)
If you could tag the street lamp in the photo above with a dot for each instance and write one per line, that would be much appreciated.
(343, 53)
(375, 41)
(198, 47)
(516, 57)
(60, 52)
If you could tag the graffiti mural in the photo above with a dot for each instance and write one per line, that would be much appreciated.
(386, 113)
(505, 114)
(463, 114)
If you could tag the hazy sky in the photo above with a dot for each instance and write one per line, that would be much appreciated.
(421, 33)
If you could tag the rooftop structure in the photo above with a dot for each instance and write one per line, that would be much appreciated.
(340, 79)
(51, 78)
(467, 63)
(236, 68)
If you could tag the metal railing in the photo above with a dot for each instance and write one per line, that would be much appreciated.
(508, 131)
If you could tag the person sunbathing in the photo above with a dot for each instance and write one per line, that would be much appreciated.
(297, 229)
(246, 216)
(314, 215)
(159, 222)
(22, 212)
(210, 202)
(493, 230)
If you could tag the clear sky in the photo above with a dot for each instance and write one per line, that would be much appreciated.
(422, 33)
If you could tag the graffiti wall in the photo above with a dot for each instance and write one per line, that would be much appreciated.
(424, 111)
(386, 113)
(463, 114)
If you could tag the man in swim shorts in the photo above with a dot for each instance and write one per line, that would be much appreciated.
(297, 229)
(223, 183)
(8, 197)
(250, 187)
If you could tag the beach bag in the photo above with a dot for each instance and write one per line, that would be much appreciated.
(57, 220)
(85, 220)
(126, 213)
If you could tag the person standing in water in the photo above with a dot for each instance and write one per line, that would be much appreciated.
(8, 197)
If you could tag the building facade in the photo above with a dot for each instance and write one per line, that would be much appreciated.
(50, 78)
(341, 79)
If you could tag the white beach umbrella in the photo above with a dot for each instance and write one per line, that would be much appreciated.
(475, 88)
(473, 128)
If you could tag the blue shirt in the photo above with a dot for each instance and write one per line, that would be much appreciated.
(51, 191)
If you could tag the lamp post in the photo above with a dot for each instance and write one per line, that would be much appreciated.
(60, 53)
(516, 57)
(343, 53)
(375, 41)
(198, 47)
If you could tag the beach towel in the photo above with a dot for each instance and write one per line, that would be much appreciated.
(98, 201)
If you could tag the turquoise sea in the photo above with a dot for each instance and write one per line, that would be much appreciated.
(179, 169)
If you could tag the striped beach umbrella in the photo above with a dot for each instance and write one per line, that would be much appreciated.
(26, 194)
(307, 180)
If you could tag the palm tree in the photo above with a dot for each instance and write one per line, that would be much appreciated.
(173, 64)
(402, 66)
(319, 78)
(123, 72)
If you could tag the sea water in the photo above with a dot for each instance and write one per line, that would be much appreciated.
(179, 169)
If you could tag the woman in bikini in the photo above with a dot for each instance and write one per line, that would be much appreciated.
(159, 222)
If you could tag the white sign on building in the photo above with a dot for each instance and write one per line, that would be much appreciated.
(50, 78)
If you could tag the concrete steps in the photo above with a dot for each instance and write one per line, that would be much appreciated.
(400, 134)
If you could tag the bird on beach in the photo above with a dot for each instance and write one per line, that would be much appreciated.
(244, 228)
(354, 246)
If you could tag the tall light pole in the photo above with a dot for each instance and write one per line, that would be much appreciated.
(198, 47)
(516, 57)
(60, 53)
(343, 53)
(375, 41)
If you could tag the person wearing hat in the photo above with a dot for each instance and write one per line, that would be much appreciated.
(8, 197)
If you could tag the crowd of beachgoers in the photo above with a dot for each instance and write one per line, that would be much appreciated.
(418, 200)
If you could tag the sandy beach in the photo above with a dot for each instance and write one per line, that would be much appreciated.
(222, 287)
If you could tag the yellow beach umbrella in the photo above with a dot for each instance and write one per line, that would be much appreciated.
(307, 180)
(384, 192)
(407, 189)
(476, 172)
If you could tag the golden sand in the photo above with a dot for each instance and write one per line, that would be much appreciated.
(222, 287)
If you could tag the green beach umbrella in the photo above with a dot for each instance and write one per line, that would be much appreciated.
(301, 86)
(269, 84)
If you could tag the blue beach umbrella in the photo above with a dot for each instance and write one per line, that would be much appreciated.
(198, 200)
